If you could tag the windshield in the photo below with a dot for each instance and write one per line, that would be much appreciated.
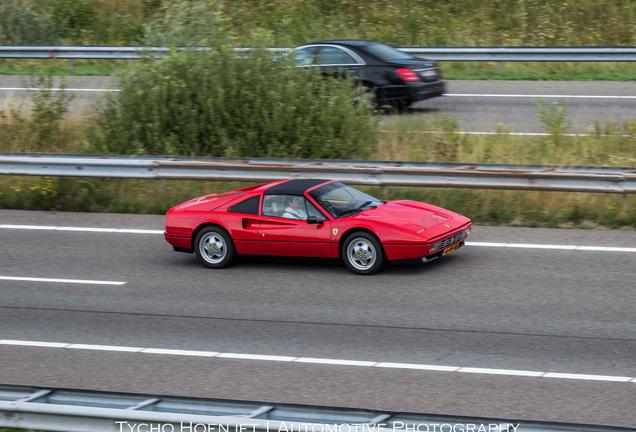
(340, 200)
(386, 53)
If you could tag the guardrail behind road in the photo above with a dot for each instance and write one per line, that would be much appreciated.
(496, 54)
(372, 173)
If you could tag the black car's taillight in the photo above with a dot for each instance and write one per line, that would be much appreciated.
(407, 74)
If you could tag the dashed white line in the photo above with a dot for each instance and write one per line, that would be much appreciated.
(547, 96)
(588, 377)
(553, 247)
(35, 343)
(255, 357)
(89, 90)
(551, 96)
(509, 372)
(187, 353)
(340, 362)
(425, 367)
(53, 280)
(323, 361)
(104, 348)
(479, 244)
(81, 229)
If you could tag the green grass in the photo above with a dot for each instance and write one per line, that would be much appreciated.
(536, 71)
(291, 22)
(62, 67)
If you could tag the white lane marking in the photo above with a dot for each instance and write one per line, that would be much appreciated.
(509, 372)
(335, 362)
(188, 353)
(417, 366)
(481, 244)
(538, 96)
(82, 229)
(34, 343)
(256, 357)
(541, 246)
(52, 280)
(89, 90)
(588, 377)
(104, 348)
(31, 227)
(553, 247)
(503, 133)
(324, 361)
(103, 90)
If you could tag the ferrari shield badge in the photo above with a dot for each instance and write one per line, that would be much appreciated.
(335, 231)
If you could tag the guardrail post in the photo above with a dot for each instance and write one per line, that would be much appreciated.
(385, 193)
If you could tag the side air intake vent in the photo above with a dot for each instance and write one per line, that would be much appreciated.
(248, 206)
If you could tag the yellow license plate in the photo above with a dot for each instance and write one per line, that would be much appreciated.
(450, 249)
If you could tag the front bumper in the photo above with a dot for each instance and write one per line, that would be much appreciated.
(440, 253)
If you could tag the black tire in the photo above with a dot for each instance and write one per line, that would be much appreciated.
(213, 246)
(362, 253)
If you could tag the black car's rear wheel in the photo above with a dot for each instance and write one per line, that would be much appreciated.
(362, 253)
(213, 246)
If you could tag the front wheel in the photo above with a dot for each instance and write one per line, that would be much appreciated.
(362, 253)
(214, 247)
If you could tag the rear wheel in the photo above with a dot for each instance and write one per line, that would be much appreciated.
(362, 253)
(213, 246)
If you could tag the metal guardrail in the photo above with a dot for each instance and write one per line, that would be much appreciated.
(496, 54)
(373, 173)
(527, 54)
(67, 410)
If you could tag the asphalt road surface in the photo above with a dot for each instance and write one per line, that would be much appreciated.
(502, 328)
(479, 106)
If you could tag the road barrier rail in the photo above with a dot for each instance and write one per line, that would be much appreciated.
(619, 180)
(68, 410)
(494, 54)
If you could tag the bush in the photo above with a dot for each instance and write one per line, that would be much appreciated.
(42, 128)
(216, 103)
(22, 22)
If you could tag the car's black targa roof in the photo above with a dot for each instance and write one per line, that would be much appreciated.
(294, 187)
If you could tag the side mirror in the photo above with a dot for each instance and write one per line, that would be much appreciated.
(314, 220)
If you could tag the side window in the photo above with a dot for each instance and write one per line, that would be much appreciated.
(295, 207)
(285, 206)
(304, 57)
(273, 205)
(312, 210)
(334, 56)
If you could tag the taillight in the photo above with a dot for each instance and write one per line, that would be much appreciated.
(407, 74)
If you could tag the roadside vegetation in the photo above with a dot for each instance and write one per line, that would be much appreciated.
(406, 138)
(287, 23)
(215, 103)
(292, 22)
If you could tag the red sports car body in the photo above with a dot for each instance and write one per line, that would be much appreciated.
(313, 218)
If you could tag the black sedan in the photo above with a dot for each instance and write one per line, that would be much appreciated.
(397, 78)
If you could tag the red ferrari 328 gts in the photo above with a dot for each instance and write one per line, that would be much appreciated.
(313, 218)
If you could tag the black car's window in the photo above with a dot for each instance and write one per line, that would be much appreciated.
(340, 200)
(285, 206)
(386, 53)
(333, 56)
(305, 57)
